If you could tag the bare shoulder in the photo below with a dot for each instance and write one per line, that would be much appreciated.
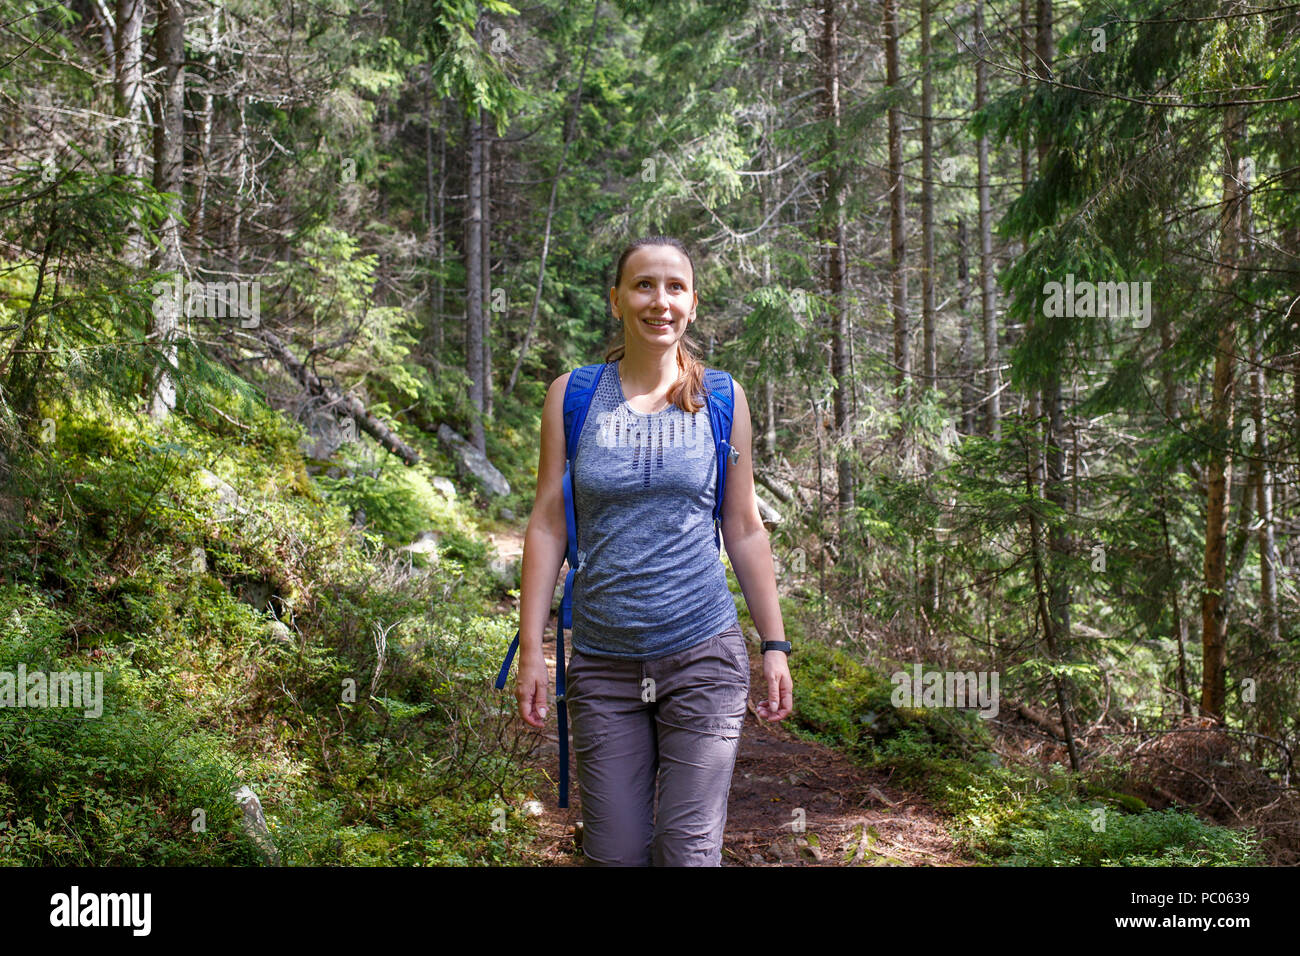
(555, 394)
(739, 392)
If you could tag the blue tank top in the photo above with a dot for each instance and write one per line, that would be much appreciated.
(649, 580)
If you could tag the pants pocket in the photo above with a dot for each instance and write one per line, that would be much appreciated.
(733, 644)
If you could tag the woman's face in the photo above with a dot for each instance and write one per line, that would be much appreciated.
(655, 297)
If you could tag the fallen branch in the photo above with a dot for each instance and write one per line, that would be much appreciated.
(778, 487)
(1037, 718)
(365, 421)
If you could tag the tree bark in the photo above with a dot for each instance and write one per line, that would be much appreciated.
(474, 286)
(168, 177)
(485, 128)
(835, 240)
(199, 225)
(440, 297)
(1025, 67)
(430, 210)
(1214, 621)
(897, 209)
(1263, 486)
(1169, 388)
(964, 359)
(988, 300)
(1033, 481)
(927, 203)
(235, 245)
(128, 94)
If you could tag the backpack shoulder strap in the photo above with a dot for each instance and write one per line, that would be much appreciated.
(721, 400)
(577, 399)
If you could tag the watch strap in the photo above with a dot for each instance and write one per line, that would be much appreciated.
(775, 646)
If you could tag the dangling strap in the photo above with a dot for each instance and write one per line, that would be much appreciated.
(505, 668)
(562, 709)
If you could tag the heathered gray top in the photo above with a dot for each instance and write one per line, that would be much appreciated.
(649, 580)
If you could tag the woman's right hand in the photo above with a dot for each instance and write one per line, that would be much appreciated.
(530, 689)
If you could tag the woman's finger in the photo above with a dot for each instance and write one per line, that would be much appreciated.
(532, 703)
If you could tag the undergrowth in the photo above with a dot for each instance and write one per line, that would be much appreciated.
(999, 815)
(247, 633)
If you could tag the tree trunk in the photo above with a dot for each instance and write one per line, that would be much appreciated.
(1214, 621)
(23, 373)
(1033, 481)
(821, 497)
(769, 409)
(106, 21)
(485, 128)
(897, 208)
(128, 94)
(440, 297)
(168, 177)
(1052, 581)
(199, 225)
(835, 238)
(428, 340)
(474, 286)
(927, 203)
(1180, 624)
(1263, 487)
(1025, 67)
(1268, 557)
(964, 359)
(235, 245)
(988, 301)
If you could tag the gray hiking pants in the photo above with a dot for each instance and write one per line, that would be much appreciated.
(674, 718)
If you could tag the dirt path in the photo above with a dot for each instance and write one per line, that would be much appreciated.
(850, 816)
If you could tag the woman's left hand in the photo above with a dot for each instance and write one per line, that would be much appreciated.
(780, 697)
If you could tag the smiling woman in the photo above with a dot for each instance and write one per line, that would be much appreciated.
(654, 295)
(658, 681)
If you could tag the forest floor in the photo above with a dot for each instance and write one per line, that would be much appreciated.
(851, 816)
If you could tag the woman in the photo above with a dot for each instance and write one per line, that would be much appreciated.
(658, 680)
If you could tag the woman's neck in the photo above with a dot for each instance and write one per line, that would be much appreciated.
(648, 374)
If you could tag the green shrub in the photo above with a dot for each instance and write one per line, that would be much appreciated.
(114, 789)
(998, 815)
(847, 705)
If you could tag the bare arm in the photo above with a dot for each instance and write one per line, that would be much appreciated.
(747, 545)
(545, 543)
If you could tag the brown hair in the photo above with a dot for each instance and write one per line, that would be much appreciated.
(687, 392)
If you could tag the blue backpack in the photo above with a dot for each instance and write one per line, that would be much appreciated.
(721, 402)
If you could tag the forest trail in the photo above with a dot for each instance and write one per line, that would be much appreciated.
(851, 816)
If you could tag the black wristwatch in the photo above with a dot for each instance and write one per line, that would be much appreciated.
(775, 646)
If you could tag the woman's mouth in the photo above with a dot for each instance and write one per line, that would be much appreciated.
(657, 323)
